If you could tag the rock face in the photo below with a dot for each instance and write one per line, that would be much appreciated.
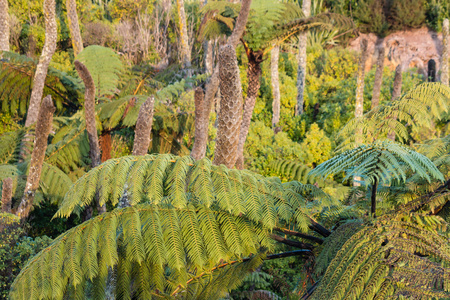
(412, 49)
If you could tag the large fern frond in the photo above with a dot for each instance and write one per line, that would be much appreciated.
(16, 78)
(391, 258)
(179, 181)
(157, 251)
(382, 160)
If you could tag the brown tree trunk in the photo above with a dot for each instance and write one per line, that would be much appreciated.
(396, 92)
(44, 62)
(202, 110)
(444, 63)
(89, 110)
(185, 49)
(105, 145)
(143, 130)
(7, 189)
(241, 22)
(275, 86)
(378, 76)
(359, 105)
(43, 127)
(74, 27)
(301, 71)
(208, 49)
(230, 108)
(4, 26)
(253, 74)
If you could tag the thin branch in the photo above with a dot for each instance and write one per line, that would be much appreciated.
(300, 235)
(291, 242)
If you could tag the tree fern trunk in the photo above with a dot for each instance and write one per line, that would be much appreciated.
(444, 64)
(378, 75)
(301, 71)
(374, 197)
(44, 62)
(143, 130)
(185, 49)
(241, 22)
(275, 86)
(253, 74)
(74, 27)
(208, 49)
(202, 110)
(7, 189)
(359, 105)
(4, 26)
(396, 92)
(105, 145)
(43, 127)
(230, 108)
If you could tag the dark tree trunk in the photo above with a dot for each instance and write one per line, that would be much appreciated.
(143, 130)
(230, 113)
(374, 197)
(202, 110)
(253, 74)
(43, 127)
(7, 189)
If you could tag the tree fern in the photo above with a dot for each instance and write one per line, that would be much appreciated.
(179, 181)
(416, 108)
(105, 67)
(390, 258)
(16, 77)
(144, 242)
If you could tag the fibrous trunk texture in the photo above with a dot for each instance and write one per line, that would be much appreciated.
(185, 49)
(7, 189)
(378, 76)
(208, 49)
(4, 26)
(44, 62)
(202, 110)
(359, 105)
(230, 113)
(241, 22)
(105, 145)
(74, 27)
(43, 127)
(301, 71)
(444, 63)
(275, 86)
(253, 74)
(89, 111)
(143, 130)
(396, 92)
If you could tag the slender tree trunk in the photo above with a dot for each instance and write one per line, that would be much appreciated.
(374, 197)
(89, 110)
(275, 86)
(105, 145)
(208, 49)
(378, 75)
(202, 110)
(241, 22)
(7, 189)
(4, 26)
(44, 62)
(74, 27)
(253, 74)
(143, 130)
(43, 127)
(301, 71)
(396, 93)
(230, 108)
(359, 105)
(444, 63)
(185, 49)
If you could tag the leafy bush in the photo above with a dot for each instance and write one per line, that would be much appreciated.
(15, 249)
